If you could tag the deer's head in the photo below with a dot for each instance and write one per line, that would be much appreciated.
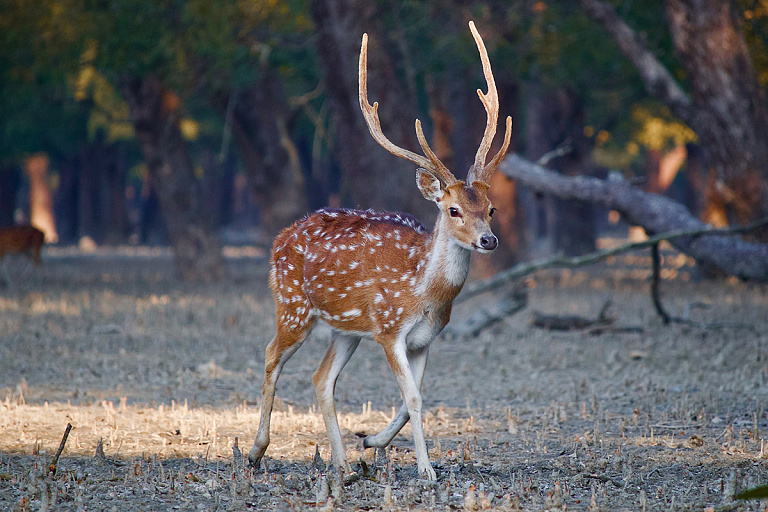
(465, 210)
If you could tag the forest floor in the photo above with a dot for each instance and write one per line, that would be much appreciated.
(165, 378)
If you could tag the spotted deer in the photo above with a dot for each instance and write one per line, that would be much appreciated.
(381, 275)
(23, 239)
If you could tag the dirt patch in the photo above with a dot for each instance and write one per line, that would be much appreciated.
(168, 375)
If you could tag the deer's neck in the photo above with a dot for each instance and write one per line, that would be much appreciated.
(445, 266)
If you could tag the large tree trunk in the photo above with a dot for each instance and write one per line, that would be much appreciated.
(730, 113)
(371, 177)
(218, 182)
(65, 199)
(155, 115)
(655, 213)
(725, 107)
(259, 121)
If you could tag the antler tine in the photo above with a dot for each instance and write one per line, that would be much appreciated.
(479, 171)
(370, 113)
(489, 169)
(439, 167)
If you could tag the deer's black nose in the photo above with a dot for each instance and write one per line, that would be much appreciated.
(488, 242)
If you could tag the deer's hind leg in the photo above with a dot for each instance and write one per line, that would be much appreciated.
(286, 342)
(341, 349)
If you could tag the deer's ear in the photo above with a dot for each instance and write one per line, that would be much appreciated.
(429, 185)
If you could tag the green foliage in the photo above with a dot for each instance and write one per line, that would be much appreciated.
(36, 110)
(755, 493)
(756, 33)
(62, 61)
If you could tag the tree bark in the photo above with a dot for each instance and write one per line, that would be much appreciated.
(155, 114)
(726, 106)
(730, 112)
(655, 213)
(86, 193)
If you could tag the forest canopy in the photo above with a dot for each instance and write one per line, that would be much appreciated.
(184, 121)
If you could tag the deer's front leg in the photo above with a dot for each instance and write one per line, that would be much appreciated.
(397, 358)
(418, 362)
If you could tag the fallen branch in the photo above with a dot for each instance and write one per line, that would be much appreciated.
(564, 322)
(655, 213)
(605, 479)
(486, 317)
(55, 461)
(524, 269)
(599, 329)
(572, 322)
(102, 457)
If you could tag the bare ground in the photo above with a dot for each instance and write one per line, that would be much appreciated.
(168, 375)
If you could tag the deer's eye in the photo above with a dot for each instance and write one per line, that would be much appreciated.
(491, 211)
(454, 211)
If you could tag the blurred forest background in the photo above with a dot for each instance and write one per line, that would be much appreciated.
(195, 123)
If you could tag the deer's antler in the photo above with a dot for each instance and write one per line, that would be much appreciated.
(370, 112)
(479, 170)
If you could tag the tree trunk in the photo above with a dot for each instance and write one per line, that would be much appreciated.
(731, 113)
(155, 115)
(115, 175)
(218, 183)
(65, 199)
(655, 213)
(259, 121)
(9, 186)
(555, 118)
(371, 177)
(726, 106)
(40, 199)
(90, 213)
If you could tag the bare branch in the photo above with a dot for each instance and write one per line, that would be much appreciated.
(55, 461)
(658, 80)
(655, 279)
(524, 269)
(562, 149)
(666, 318)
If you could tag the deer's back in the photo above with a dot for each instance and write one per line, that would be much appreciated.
(354, 269)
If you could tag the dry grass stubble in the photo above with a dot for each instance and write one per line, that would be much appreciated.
(167, 376)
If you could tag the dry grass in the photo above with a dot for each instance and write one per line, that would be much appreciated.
(179, 431)
(167, 376)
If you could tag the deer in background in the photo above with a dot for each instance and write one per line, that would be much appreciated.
(22, 240)
(381, 275)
